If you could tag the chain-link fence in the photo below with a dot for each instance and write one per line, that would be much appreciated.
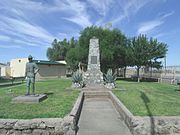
(170, 74)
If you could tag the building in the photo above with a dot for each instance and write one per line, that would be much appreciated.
(4, 70)
(18, 67)
(48, 69)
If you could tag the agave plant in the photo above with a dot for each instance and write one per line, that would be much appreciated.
(77, 79)
(110, 77)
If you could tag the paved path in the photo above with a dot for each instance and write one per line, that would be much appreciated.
(99, 117)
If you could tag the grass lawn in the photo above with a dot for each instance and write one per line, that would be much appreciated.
(149, 98)
(58, 104)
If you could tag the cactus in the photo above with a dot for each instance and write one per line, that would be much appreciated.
(110, 77)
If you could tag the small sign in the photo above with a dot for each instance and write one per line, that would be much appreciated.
(93, 59)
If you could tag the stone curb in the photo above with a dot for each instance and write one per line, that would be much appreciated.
(121, 108)
(154, 125)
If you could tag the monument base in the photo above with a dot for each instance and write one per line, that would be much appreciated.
(29, 98)
(93, 78)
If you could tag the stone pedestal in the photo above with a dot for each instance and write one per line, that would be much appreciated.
(93, 75)
(29, 99)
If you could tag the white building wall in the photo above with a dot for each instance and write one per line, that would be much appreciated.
(18, 67)
(3, 71)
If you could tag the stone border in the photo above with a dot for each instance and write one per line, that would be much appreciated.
(126, 115)
(44, 126)
(154, 125)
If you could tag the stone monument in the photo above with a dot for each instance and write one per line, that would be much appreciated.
(93, 75)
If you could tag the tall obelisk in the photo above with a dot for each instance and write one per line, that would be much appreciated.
(93, 75)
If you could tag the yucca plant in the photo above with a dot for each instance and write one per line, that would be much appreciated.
(109, 77)
(77, 77)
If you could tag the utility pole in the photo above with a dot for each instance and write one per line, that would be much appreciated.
(165, 64)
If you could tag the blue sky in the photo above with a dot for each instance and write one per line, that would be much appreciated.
(29, 26)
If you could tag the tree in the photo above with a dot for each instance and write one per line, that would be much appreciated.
(128, 59)
(59, 49)
(146, 52)
(54, 52)
(72, 58)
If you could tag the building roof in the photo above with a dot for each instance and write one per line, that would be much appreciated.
(62, 61)
(46, 62)
(3, 65)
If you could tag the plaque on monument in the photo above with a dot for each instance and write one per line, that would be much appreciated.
(93, 59)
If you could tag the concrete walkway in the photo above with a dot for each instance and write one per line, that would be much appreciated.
(99, 117)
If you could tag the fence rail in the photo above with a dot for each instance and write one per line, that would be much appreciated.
(170, 74)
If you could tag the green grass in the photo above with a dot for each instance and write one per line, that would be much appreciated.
(149, 98)
(58, 104)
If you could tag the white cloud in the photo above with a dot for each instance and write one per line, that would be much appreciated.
(131, 7)
(21, 42)
(17, 6)
(167, 14)
(23, 33)
(10, 46)
(77, 11)
(150, 26)
(26, 28)
(124, 9)
(102, 7)
(4, 38)
(19, 20)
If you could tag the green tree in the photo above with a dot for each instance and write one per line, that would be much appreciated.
(146, 52)
(59, 49)
(72, 58)
(54, 52)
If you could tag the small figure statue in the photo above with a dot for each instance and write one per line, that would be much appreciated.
(31, 71)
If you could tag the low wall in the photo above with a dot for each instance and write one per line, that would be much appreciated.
(44, 126)
(126, 115)
(155, 125)
(37, 126)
